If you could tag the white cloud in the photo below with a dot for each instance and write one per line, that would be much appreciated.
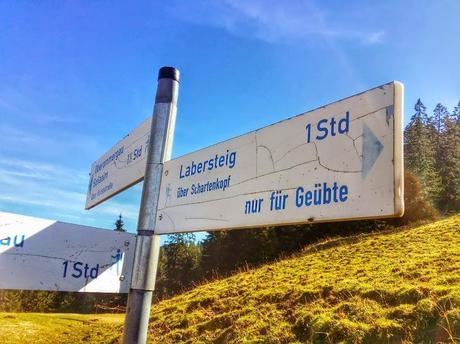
(273, 21)
(38, 170)
(374, 38)
(44, 185)
(56, 192)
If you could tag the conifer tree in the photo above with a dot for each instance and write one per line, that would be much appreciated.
(456, 113)
(439, 113)
(448, 161)
(119, 224)
(420, 152)
(181, 260)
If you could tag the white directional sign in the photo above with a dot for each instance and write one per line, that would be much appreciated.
(121, 167)
(339, 162)
(39, 254)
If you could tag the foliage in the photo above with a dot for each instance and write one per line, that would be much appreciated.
(225, 251)
(417, 206)
(437, 122)
(119, 224)
(449, 162)
(57, 301)
(432, 154)
(179, 263)
(420, 152)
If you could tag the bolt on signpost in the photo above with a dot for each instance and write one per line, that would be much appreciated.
(147, 243)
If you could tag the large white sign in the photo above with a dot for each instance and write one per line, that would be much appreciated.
(339, 162)
(121, 167)
(39, 254)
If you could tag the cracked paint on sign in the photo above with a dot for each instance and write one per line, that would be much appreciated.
(333, 163)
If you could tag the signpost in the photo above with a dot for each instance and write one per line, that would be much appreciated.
(342, 161)
(121, 167)
(39, 254)
(147, 242)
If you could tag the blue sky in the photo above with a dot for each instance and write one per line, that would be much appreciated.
(76, 76)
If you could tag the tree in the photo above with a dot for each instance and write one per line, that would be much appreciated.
(456, 113)
(439, 112)
(420, 153)
(119, 224)
(180, 262)
(417, 207)
(226, 251)
(420, 112)
(448, 161)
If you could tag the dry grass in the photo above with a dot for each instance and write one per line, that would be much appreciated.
(397, 286)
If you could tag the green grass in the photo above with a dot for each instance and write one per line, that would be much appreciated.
(391, 287)
(38, 328)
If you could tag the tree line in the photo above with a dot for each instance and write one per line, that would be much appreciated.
(432, 188)
(432, 153)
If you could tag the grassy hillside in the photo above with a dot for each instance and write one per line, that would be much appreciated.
(387, 287)
(392, 287)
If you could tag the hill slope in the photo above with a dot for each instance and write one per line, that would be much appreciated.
(386, 287)
(392, 287)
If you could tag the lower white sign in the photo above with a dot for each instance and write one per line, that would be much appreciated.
(39, 254)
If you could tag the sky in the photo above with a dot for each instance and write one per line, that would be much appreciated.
(77, 76)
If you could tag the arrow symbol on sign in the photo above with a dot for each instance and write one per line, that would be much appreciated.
(372, 148)
(90, 186)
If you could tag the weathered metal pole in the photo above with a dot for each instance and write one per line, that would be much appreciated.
(147, 243)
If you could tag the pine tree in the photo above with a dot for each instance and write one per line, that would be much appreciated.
(456, 113)
(448, 161)
(182, 257)
(420, 152)
(420, 112)
(119, 224)
(226, 251)
(439, 112)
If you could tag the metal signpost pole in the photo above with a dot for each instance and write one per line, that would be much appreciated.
(147, 243)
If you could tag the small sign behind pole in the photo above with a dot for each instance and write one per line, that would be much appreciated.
(121, 167)
(342, 161)
(39, 254)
